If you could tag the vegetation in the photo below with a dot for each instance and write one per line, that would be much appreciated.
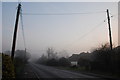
(13, 69)
(21, 58)
(106, 60)
(52, 60)
(64, 62)
(100, 60)
(7, 67)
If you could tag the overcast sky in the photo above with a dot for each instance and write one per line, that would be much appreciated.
(74, 33)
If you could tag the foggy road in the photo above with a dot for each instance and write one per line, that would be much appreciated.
(41, 71)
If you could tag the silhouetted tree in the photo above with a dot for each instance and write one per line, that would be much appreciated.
(52, 62)
(64, 62)
(51, 53)
(42, 60)
(82, 62)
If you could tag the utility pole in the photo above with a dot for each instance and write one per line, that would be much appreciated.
(15, 32)
(110, 36)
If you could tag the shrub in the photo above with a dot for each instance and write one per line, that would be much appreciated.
(7, 67)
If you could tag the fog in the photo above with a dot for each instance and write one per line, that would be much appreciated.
(66, 34)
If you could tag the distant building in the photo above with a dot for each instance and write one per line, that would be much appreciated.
(74, 63)
(74, 59)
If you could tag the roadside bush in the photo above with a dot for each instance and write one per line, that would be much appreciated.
(63, 62)
(84, 63)
(20, 60)
(52, 62)
(7, 67)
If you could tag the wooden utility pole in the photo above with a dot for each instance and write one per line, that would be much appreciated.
(110, 36)
(15, 32)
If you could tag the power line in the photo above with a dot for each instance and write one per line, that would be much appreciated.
(88, 33)
(62, 13)
(94, 28)
(21, 18)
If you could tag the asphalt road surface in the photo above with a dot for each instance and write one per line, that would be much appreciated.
(38, 71)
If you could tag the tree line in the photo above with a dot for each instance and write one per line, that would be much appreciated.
(51, 59)
(101, 59)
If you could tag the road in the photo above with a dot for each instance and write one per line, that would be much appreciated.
(41, 71)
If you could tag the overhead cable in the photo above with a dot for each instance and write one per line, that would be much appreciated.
(22, 29)
(63, 13)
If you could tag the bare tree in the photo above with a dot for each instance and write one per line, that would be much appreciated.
(51, 53)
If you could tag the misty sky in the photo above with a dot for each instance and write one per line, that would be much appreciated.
(72, 33)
